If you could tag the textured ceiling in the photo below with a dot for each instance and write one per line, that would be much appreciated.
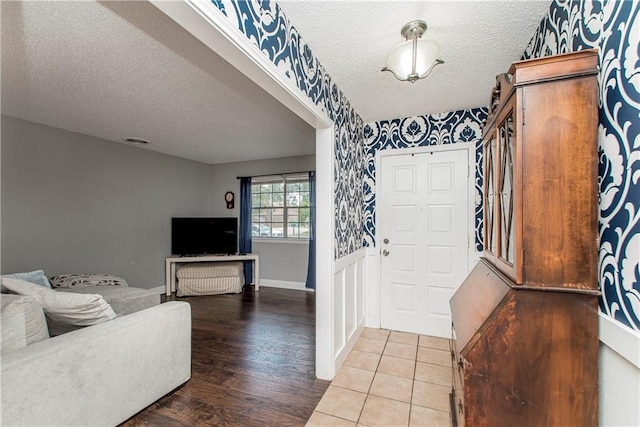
(120, 69)
(479, 40)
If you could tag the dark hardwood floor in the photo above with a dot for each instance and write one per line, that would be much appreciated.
(253, 363)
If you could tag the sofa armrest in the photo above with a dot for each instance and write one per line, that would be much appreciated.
(99, 375)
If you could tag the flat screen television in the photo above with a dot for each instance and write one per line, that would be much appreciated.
(204, 236)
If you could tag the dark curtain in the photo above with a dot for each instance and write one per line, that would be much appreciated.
(311, 265)
(245, 226)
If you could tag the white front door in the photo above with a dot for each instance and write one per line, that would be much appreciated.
(423, 238)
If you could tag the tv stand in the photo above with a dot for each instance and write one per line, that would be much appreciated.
(170, 266)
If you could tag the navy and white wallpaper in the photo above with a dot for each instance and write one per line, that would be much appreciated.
(462, 126)
(614, 28)
(267, 27)
(611, 26)
(348, 172)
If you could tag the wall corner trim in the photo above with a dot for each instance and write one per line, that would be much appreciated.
(620, 338)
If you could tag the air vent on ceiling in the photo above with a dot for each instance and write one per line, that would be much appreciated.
(137, 141)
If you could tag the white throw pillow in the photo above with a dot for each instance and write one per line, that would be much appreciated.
(66, 309)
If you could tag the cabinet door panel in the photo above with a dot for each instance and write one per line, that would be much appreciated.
(559, 185)
(505, 190)
(490, 214)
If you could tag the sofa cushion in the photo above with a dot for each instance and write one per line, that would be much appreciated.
(22, 322)
(36, 276)
(77, 280)
(64, 311)
(122, 300)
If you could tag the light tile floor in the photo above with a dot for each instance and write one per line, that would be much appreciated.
(389, 379)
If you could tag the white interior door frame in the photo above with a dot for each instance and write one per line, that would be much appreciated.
(325, 360)
(471, 150)
(212, 28)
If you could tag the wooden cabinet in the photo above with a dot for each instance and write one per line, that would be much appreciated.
(540, 169)
(529, 357)
(525, 319)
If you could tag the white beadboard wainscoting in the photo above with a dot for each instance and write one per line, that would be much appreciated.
(348, 304)
(372, 289)
(619, 374)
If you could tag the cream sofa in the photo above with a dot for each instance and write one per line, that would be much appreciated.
(99, 375)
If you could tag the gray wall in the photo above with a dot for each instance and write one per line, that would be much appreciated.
(74, 203)
(279, 260)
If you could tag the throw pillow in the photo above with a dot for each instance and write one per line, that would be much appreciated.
(67, 310)
(36, 277)
(76, 280)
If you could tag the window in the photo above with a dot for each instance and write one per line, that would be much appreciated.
(280, 207)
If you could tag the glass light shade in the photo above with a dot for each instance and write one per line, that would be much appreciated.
(399, 61)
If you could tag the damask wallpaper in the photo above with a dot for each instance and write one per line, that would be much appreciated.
(611, 26)
(614, 28)
(462, 126)
(267, 27)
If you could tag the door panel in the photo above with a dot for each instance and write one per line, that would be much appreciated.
(404, 259)
(404, 297)
(404, 179)
(404, 218)
(423, 213)
(440, 219)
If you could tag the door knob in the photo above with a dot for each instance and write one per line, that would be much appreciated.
(385, 253)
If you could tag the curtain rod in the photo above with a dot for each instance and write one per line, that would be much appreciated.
(273, 174)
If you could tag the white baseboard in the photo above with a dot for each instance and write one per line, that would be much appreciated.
(269, 283)
(283, 284)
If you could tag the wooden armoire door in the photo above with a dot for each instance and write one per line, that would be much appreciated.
(490, 214)
(506, 191)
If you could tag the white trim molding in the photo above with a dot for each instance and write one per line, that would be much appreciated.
(283, 284)
(372, 288)
(324, 253)
(279, 240)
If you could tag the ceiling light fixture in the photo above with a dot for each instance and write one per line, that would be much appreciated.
(413, 59)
